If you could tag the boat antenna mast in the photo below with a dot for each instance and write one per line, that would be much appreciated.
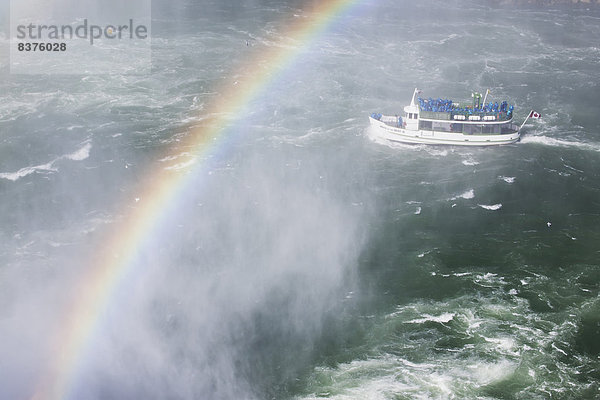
(415, 93)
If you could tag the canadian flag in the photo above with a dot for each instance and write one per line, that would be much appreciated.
(535, 115)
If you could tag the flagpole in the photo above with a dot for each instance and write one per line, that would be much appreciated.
(521, 127)
(486, 93)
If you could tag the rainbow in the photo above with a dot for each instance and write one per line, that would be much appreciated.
(116, 257)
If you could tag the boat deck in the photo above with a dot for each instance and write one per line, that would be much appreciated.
(447, 110)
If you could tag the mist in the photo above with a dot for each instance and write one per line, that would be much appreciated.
(234, 287)
(226, 301)
(230, 294)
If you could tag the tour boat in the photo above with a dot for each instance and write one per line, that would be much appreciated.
(442, 121)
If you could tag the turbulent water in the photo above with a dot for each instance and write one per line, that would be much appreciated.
(307, 259)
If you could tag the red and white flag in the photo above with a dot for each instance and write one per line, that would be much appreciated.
(535, 115)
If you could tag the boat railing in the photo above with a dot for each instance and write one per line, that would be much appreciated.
(396, 121)
(444, 109)
(465, 115)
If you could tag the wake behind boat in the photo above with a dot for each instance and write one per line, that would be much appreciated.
(442, 121)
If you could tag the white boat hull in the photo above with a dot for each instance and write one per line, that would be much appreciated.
(403, 135)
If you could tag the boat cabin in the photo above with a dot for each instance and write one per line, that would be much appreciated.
(442, 115)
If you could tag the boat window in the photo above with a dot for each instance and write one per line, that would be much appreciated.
(457, 128)
(425, 125)
(487, 129)
(472, 129)
(441, 126)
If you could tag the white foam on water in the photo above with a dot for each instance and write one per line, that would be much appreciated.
(290, 136)
(435, 151)
(373, 389)
(443, 318)
(469, 194)
(496, 354)
(492, 207)
(507, 179)
(489, 280)
(460, 274)
(503, 344)
(486, 373)
(182, 165)
(389, 377)
(174, 157)
(78, 155)
(13, 176)
(550, 141)
(470, 162)
(372, 135)
(418, 211)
